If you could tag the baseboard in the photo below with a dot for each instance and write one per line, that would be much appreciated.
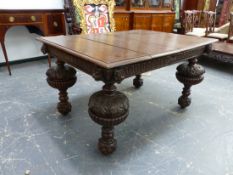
(25, 60)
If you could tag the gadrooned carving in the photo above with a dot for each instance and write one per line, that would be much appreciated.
(62, 77)
(108, 108)
(189, 74)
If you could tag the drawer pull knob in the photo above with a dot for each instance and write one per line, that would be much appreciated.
(33, 18)
(11, 18)
(55, 24)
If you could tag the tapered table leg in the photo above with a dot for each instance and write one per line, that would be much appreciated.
(137, 81)
(108, 108)
(189, 74)
(6, 57)
(62, 77)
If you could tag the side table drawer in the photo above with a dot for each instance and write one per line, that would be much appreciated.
(15, 18)
(56, 24)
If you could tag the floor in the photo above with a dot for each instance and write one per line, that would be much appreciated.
(157, 138)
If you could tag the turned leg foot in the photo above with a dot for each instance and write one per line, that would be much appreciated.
(107, 143)
(64, 106)
(184, 100)
(62, 77)
(108, 108)
(137, 81)
(189, 74)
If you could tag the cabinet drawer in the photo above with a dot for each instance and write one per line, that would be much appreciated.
(56, 24)
(24, 18)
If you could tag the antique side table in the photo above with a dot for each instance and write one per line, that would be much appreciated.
(113, 57)
(46, 22)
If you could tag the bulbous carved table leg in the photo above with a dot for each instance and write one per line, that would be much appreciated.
(189, 74)
(62, 77)
(108, 108)
(137, 81)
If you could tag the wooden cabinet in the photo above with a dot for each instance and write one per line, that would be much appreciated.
(155, 15)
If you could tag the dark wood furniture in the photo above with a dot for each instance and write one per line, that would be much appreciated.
(222, 52)
(188, 22)
(142, 14)
(44, 22)
(230, 31)
(193, 23)
(222, 9)
(155, 15)
(211, 31)
(198, 5)
(113, 57)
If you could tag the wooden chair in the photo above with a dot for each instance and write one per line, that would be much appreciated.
(90, 16)
(188, 21)
(197, 18)
(211, 31)
(192, 23)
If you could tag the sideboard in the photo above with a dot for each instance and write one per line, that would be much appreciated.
(158, 15)
(47, 22)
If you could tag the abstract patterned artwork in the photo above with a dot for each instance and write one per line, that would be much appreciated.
(97, 18)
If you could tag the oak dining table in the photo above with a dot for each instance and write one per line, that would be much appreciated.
(113, 57)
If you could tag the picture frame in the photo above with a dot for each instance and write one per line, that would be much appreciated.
(96, 16)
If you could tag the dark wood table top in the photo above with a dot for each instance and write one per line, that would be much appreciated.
(121, 48)
(223, 47)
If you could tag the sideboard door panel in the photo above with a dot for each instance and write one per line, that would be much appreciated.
(157, 22)
(168, 22)
(122, 21)
(142, 21)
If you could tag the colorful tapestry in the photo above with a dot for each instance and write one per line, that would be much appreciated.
(97, 18)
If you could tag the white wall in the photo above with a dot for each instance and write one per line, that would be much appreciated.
(31, 4)
(20, 44)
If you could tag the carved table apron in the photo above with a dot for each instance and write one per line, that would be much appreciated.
(113, 57)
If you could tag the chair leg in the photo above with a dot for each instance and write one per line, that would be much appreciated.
(6, 58)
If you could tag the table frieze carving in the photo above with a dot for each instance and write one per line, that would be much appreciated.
(222, 57)
(141, 67)
(120, 73)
